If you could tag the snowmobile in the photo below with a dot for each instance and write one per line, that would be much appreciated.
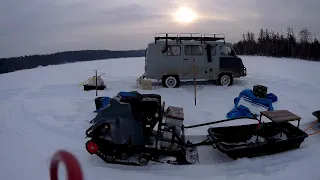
(137, 129)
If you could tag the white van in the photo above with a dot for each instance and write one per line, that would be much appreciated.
(175, 57)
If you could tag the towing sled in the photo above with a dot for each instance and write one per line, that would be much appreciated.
(315, 131)
(138, 129)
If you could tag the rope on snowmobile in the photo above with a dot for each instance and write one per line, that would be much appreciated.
(73, 168)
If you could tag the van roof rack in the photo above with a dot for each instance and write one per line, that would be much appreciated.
(188, 37)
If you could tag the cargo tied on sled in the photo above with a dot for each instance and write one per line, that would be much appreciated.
(134, 129)
(94, 83)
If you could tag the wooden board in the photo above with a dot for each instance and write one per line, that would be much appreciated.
(279, 116)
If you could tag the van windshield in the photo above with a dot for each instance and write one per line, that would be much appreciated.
(225, 51)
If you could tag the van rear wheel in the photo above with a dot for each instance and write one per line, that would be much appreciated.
(170, 81)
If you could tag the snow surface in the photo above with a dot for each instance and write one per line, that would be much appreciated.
(43, 110)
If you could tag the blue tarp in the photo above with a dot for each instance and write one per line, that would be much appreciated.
(242, 111)
(105, 102)
(272, 97)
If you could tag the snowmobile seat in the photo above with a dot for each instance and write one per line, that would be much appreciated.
(144, 107)
(135, 103)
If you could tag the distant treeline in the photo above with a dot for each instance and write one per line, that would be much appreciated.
(33, 61)
(274, 44)
(268, 43)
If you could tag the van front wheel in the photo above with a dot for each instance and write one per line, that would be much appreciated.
(170, 81)
(225, 80)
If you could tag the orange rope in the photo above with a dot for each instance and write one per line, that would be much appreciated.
(311, 127)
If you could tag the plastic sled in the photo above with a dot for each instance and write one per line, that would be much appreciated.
(248, 141)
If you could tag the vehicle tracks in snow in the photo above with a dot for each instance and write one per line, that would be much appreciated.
(57, 90)
(51, 123)
(6, 95)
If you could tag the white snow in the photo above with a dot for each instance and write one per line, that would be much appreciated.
(43, 110)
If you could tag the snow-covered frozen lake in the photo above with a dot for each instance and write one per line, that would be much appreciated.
(43, 110)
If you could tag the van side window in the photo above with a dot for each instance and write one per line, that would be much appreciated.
(225, 51)
(193, 50)
(174, 50)
(213, 50)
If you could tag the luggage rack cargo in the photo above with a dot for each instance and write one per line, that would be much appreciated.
(203, 38)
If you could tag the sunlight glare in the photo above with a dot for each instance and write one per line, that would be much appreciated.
(185, 15)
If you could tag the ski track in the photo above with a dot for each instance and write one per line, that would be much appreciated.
(54, 116)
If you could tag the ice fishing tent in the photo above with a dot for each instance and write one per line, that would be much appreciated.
(93, 82)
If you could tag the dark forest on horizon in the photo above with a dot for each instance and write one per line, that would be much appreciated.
(27, 62)
(270, 43)
(267, 43)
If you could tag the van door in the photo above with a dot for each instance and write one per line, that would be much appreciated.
(170, 61)
(194, 54)
(212, 63)
(229, 62)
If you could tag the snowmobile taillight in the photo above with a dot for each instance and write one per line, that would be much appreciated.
(92, 147)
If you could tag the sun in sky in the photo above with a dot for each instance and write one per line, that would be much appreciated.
(185, 15)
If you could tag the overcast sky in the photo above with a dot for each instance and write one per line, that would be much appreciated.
(48, 26)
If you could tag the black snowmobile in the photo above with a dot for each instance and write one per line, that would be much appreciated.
(136, 129)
